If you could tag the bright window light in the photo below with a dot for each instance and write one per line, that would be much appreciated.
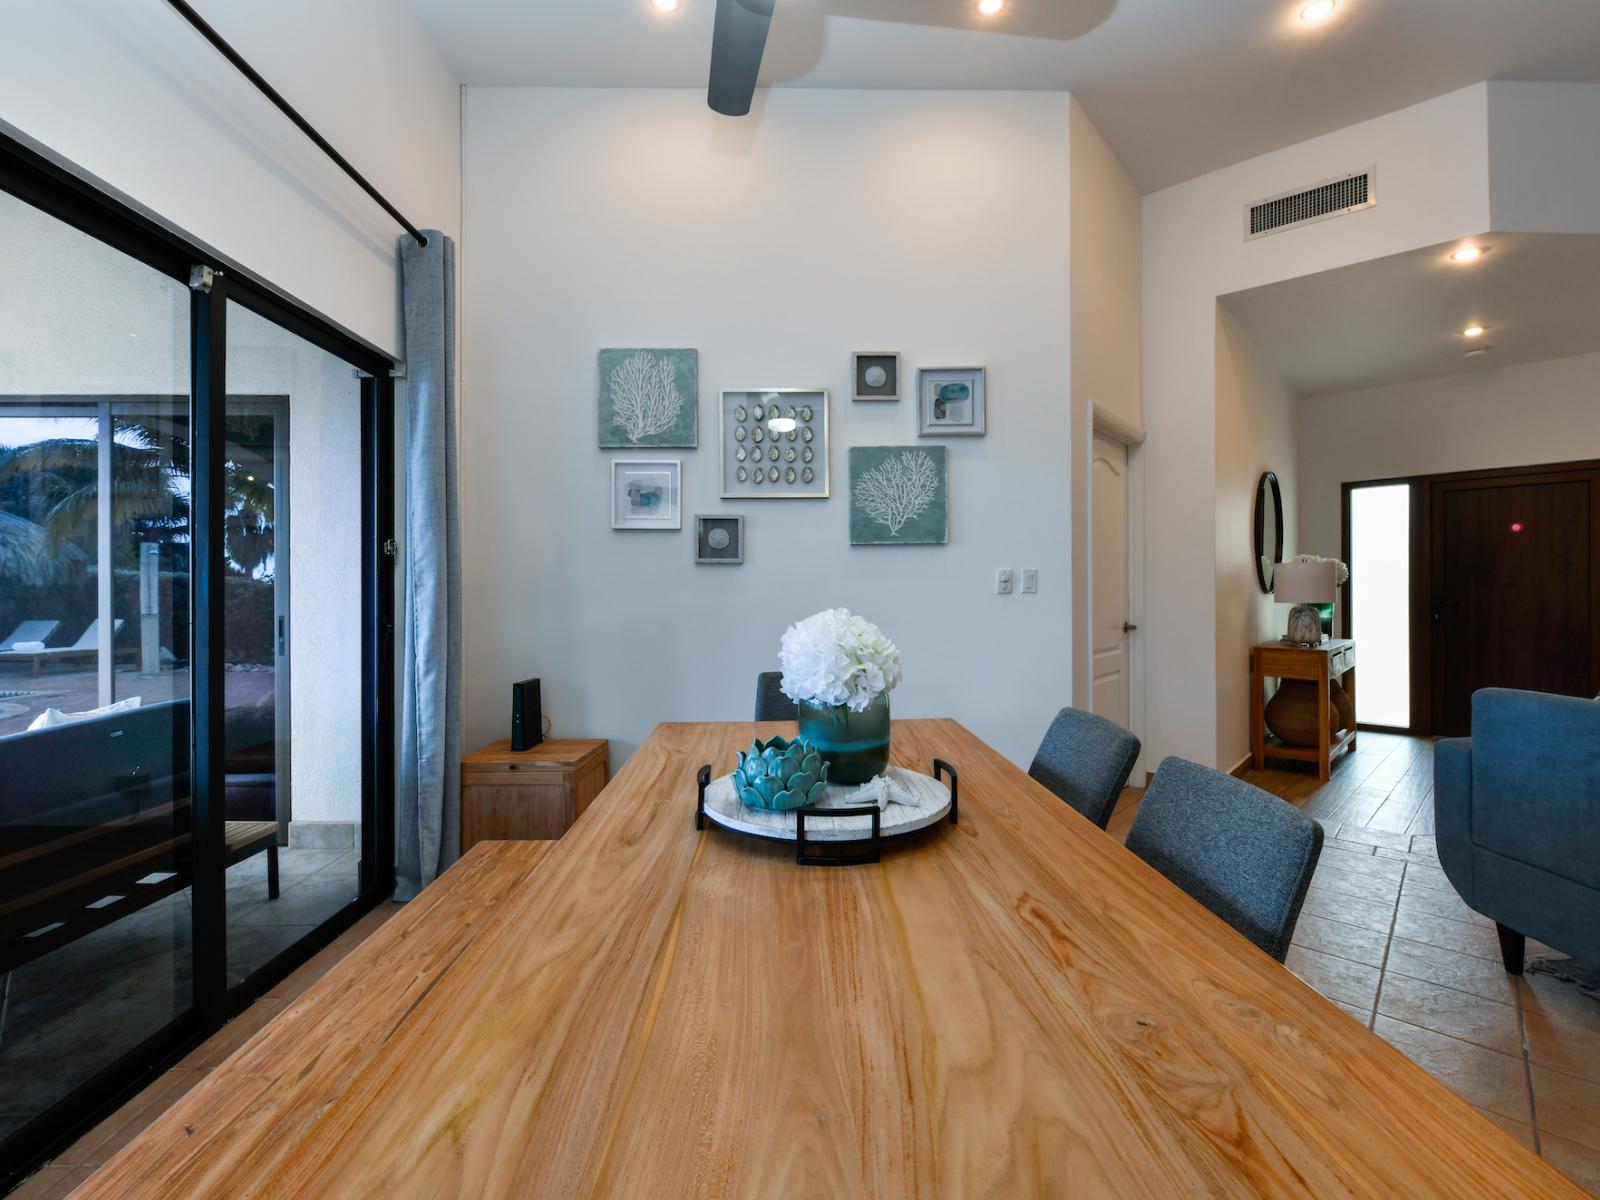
(1380, 585)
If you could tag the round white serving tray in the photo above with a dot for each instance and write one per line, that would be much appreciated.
(918, 802)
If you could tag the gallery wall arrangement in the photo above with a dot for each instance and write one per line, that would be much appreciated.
(773, 444)
(649, 398)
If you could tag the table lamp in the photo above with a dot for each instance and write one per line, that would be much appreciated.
(1307, 586)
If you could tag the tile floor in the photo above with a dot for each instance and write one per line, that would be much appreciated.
(1384, 936)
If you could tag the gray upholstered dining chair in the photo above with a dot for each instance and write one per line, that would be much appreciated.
(1242, 852)
(1086, 760)
(771, 703)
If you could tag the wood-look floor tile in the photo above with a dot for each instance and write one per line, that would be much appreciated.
(1341, 940)
(1578, 1162)
(1453, 969)
(1566, 1106)
(1456, 1014)
(1350, 910)
(1365, 864)
(1418, 926)
(1441, 904)
(1562, 1044)
(1337, 879)
(1479, 1076)
(1354, 983)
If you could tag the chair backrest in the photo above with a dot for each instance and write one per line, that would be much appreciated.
(771, 703)
(1242, 852)
(1535, 789)
(1085, 760)
(30, 631)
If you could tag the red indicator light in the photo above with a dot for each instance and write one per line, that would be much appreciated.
(1516, 527)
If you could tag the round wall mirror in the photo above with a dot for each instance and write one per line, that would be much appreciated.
(1269, 529)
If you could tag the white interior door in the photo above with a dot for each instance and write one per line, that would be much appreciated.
(1109, 587)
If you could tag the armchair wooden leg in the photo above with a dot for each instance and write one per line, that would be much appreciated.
(1512, 945)
(272, 872)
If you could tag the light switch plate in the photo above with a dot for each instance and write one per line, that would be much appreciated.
(1002, 581)
(1030, 580)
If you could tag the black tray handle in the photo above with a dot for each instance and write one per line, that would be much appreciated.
(871, 854)
(703, 779)
(940, 769)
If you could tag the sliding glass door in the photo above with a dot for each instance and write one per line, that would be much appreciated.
(292, 636)
(96, 954)
(197, 620)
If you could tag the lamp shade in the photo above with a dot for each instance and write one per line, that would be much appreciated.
(1305, 583)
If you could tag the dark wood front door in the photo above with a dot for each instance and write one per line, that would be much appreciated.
(1514, 588)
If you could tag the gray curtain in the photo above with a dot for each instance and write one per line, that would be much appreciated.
(429, 781)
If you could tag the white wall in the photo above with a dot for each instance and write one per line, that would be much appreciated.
(830, 221)
(1106, 275)
(1433, 185)
(1544, 143)
(132, 94)
(1256, 418)
(1542, 412)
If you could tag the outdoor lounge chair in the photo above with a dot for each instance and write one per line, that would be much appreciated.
(87, 646)
(29, 631)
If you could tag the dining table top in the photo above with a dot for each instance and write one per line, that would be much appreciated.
(1012, 1005)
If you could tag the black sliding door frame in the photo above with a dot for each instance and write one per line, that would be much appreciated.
(35, 177)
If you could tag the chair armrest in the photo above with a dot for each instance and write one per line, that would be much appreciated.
(1452, 810)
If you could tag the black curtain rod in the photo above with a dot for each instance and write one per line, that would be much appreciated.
(267, 90)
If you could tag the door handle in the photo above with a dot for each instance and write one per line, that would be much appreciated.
(1128, 627)
(281, 621)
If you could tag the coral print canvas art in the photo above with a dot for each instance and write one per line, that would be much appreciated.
(899, 496)
(649, 398)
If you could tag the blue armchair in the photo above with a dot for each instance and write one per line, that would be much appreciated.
(1517, 816)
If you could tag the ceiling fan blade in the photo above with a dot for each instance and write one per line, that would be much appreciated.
(737, 44)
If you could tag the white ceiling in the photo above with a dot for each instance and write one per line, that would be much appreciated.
(1400, 318)
(1178, 87)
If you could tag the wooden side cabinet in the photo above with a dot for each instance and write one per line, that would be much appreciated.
(532, 795)
(1319, 664)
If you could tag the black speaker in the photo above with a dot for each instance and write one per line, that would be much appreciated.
(527, 722)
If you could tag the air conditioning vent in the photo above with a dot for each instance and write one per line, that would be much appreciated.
(1332, 198)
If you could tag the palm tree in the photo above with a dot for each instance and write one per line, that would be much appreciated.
(27, 558)
(63, 476)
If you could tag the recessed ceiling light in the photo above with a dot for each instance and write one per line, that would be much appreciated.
(1472, 331)
(1467, 254)
(989, 7)
(1318, 11)
(666, 5)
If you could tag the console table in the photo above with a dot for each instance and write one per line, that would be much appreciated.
(1319, 664)
(517, 795)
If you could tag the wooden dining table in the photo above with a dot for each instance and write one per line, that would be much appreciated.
(1009, 1006)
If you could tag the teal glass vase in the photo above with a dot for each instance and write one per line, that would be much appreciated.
(855, 745)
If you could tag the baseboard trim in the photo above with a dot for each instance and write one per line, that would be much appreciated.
(324, 835)
(1239, 769)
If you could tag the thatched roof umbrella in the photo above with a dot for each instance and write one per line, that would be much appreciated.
(26, 557)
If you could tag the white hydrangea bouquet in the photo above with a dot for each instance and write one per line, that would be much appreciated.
(837, 659)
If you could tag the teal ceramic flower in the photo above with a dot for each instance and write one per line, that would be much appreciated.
(780, 775)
